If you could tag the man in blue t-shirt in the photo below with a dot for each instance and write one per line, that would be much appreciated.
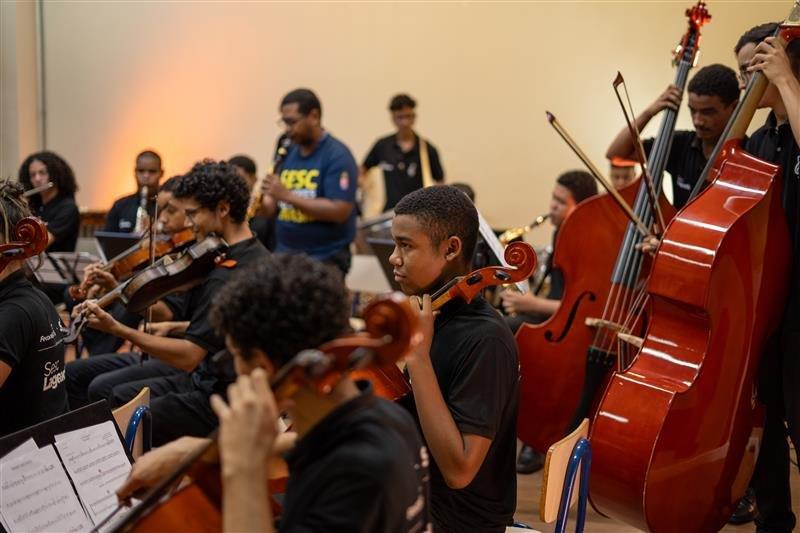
(314, 195)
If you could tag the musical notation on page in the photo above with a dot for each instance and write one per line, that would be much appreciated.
(35, 494)
(96, 461)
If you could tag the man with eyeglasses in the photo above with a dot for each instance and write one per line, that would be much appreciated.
(314, 195)
(408, 162)
(713, 95)
(214, 199)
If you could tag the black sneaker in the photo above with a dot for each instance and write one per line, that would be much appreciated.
(529, 460)
(746, 509)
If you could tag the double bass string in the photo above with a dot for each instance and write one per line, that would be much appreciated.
(625, 302)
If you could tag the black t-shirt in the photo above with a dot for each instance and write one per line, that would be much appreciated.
(122, 215)
(685, 164)
(556, 291)
(264, 230)
(31, 344)
(198, 303)
(777, 145)
(63, 221)
(475, 360)
(360, 469)
(402, 171)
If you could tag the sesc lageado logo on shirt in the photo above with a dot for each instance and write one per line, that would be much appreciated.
(302, 182)
(53, 375)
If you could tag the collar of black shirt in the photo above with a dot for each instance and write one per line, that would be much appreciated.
(324, 436)
(11, 282)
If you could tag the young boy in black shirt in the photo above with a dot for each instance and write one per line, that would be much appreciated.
(465, 375)
(214, 199)
(358, 464)
(31, 349)
(777, 142)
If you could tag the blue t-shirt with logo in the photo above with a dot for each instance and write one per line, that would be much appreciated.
(328, 172)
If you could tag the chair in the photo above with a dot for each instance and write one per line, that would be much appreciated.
(133, 421)
(561, 486)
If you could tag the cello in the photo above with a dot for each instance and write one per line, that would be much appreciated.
(565, 360)
(681, 416)
(391, 331)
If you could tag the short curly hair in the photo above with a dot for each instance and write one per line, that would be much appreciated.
(283, 305)
(581, 184)
(716, 80)
(61, 174)
(402, 101)
(444, 211)
(209, 182)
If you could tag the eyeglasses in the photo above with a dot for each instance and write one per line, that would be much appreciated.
(288, 122)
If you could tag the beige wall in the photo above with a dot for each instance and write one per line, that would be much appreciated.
(19, 120)
(196, 79)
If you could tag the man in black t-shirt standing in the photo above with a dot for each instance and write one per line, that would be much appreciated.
(358, 463)
(125, 216)
(465, 374)
(214, 199)
(31, 347)
(407, 160)
(713, 95)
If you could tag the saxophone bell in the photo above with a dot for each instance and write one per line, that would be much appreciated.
(515, 233)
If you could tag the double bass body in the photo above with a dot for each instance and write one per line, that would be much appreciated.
(553, 354)
(670, 435)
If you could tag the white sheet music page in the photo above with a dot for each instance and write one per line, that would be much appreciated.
(36, 495)
(96, 462)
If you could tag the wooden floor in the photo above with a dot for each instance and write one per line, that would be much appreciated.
(528, 492)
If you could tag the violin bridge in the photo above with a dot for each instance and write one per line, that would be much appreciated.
(633, 340)
(601, 323)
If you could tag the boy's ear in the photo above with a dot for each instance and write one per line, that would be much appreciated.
(454, 248)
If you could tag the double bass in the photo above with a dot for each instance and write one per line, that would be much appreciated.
(566, 360)
(670, 436)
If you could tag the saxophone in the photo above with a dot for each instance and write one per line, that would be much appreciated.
(515, 233)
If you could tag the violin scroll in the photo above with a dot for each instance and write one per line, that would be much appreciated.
(522, 257)
(29, 239)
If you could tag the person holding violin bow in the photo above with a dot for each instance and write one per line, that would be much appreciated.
(465, 375)
(99, 279)
(713, 95)
(358, 463)
(214, 200)
(31, 347)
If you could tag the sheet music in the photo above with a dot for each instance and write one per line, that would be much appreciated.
(23, 449)
(97, 463)
(36, 495)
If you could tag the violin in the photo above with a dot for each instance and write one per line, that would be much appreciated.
(670, 438)
(29, 238)
(391, 332)
(170, 274)
(388, 381)
(134, 258)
